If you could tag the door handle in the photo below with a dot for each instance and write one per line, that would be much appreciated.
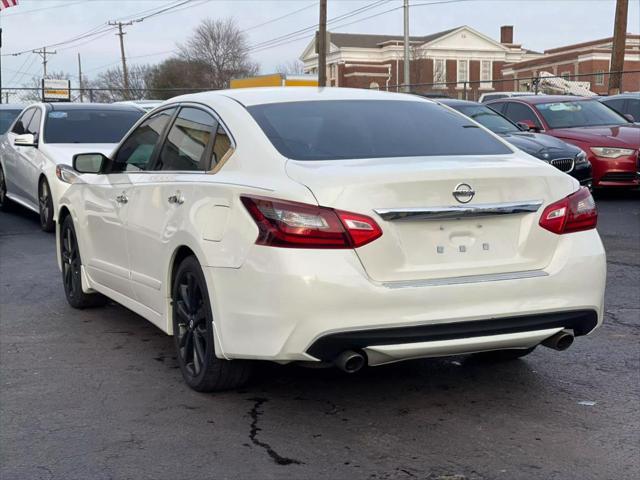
(176, 198)
(122, 198)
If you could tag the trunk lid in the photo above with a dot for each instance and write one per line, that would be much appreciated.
(436, 245)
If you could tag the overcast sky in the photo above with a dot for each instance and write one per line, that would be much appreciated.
(538, 25)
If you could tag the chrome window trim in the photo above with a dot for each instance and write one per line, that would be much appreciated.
(462, 211)
(490, 277)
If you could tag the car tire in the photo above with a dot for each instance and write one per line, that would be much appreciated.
(504, 355)
(71, 271)
(45, 206)
(5, 203)
(193, 334)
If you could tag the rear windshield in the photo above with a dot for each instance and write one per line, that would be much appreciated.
(586, 113)
(6, 119)
(349, 129)
(88, 126)
(488, 118)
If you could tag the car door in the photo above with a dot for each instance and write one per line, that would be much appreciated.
(32, 160)
(107, 204)
(13, 160)
(162, 201)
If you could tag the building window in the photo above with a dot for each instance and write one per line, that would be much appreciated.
(600, 77)
(463, 71)
(566, 75)
(440, 72)
(485, 74)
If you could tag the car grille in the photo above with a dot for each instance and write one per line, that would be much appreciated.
(618, 177)
(563, 164)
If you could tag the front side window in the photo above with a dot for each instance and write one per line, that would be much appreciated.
(350, 129)
(586, 113)
(518, 112)
(20, 127)
(136, 152)
(34, 124)
(187, 141)
(88, 125)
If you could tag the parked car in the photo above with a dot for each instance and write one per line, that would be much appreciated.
(564, 156)
(36, 154)
(610, 140)
(8, 113)
(487, 97)
(146, 105)
(627, 104)
(329, 227)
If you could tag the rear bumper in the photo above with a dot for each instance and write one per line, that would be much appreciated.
(291, 304)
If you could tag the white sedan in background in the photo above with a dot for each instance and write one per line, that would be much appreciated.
(330, 226)
(36, 152)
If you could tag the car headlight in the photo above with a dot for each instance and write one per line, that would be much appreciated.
(607, 152)
(66, 174)
(581, 157)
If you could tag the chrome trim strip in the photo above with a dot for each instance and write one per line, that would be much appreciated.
(490, 277)
(466, 211)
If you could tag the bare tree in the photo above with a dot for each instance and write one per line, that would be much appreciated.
(35, 94)
(109, 85)
(293, 67)
(176, 76)
(222, 47)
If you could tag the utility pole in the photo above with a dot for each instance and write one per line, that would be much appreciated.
(617, 52)
(125, 73)
(407, 60)
(43, 53)
(322, 45)
(80, 78)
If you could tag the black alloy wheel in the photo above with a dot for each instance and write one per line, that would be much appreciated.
(193, 334)
(71, 270)
(45, 204)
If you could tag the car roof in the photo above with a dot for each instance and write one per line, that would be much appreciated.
(12, 106)
(91, 106)
(536, 99)
(454, 102)
(621, 95)
(264, 95)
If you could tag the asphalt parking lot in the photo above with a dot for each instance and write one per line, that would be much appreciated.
(97, 394)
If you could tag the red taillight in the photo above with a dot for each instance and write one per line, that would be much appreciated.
(297, 225)
(574, 213)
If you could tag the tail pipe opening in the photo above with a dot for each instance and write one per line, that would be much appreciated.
(560, 341)
(350, 361)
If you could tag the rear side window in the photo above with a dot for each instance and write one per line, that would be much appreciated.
(187, 141)
(350, 129)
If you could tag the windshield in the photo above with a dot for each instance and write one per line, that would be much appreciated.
(6, 119)
(488, 118)
(88, 126)
(349, 129)
(585, 113)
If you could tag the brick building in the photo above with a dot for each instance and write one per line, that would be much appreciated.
(592, 58)
(454, 61)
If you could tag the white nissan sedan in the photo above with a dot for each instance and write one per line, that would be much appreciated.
(36, 152)
(330, 226)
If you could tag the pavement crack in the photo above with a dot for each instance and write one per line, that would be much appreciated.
(255, 414)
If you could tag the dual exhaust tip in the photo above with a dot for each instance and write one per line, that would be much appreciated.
(351, 361)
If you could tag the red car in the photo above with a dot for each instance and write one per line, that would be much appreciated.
(611, 141)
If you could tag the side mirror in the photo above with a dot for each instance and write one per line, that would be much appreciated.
(25, 140)
(629, 117)
(523, 126)
(530, 124)
(89, 162)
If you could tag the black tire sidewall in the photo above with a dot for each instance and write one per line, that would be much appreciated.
(75, 299)
(191, 264)
(4, 204)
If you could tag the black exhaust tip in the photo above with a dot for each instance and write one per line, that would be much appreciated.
(560, 341)
(350, 361)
